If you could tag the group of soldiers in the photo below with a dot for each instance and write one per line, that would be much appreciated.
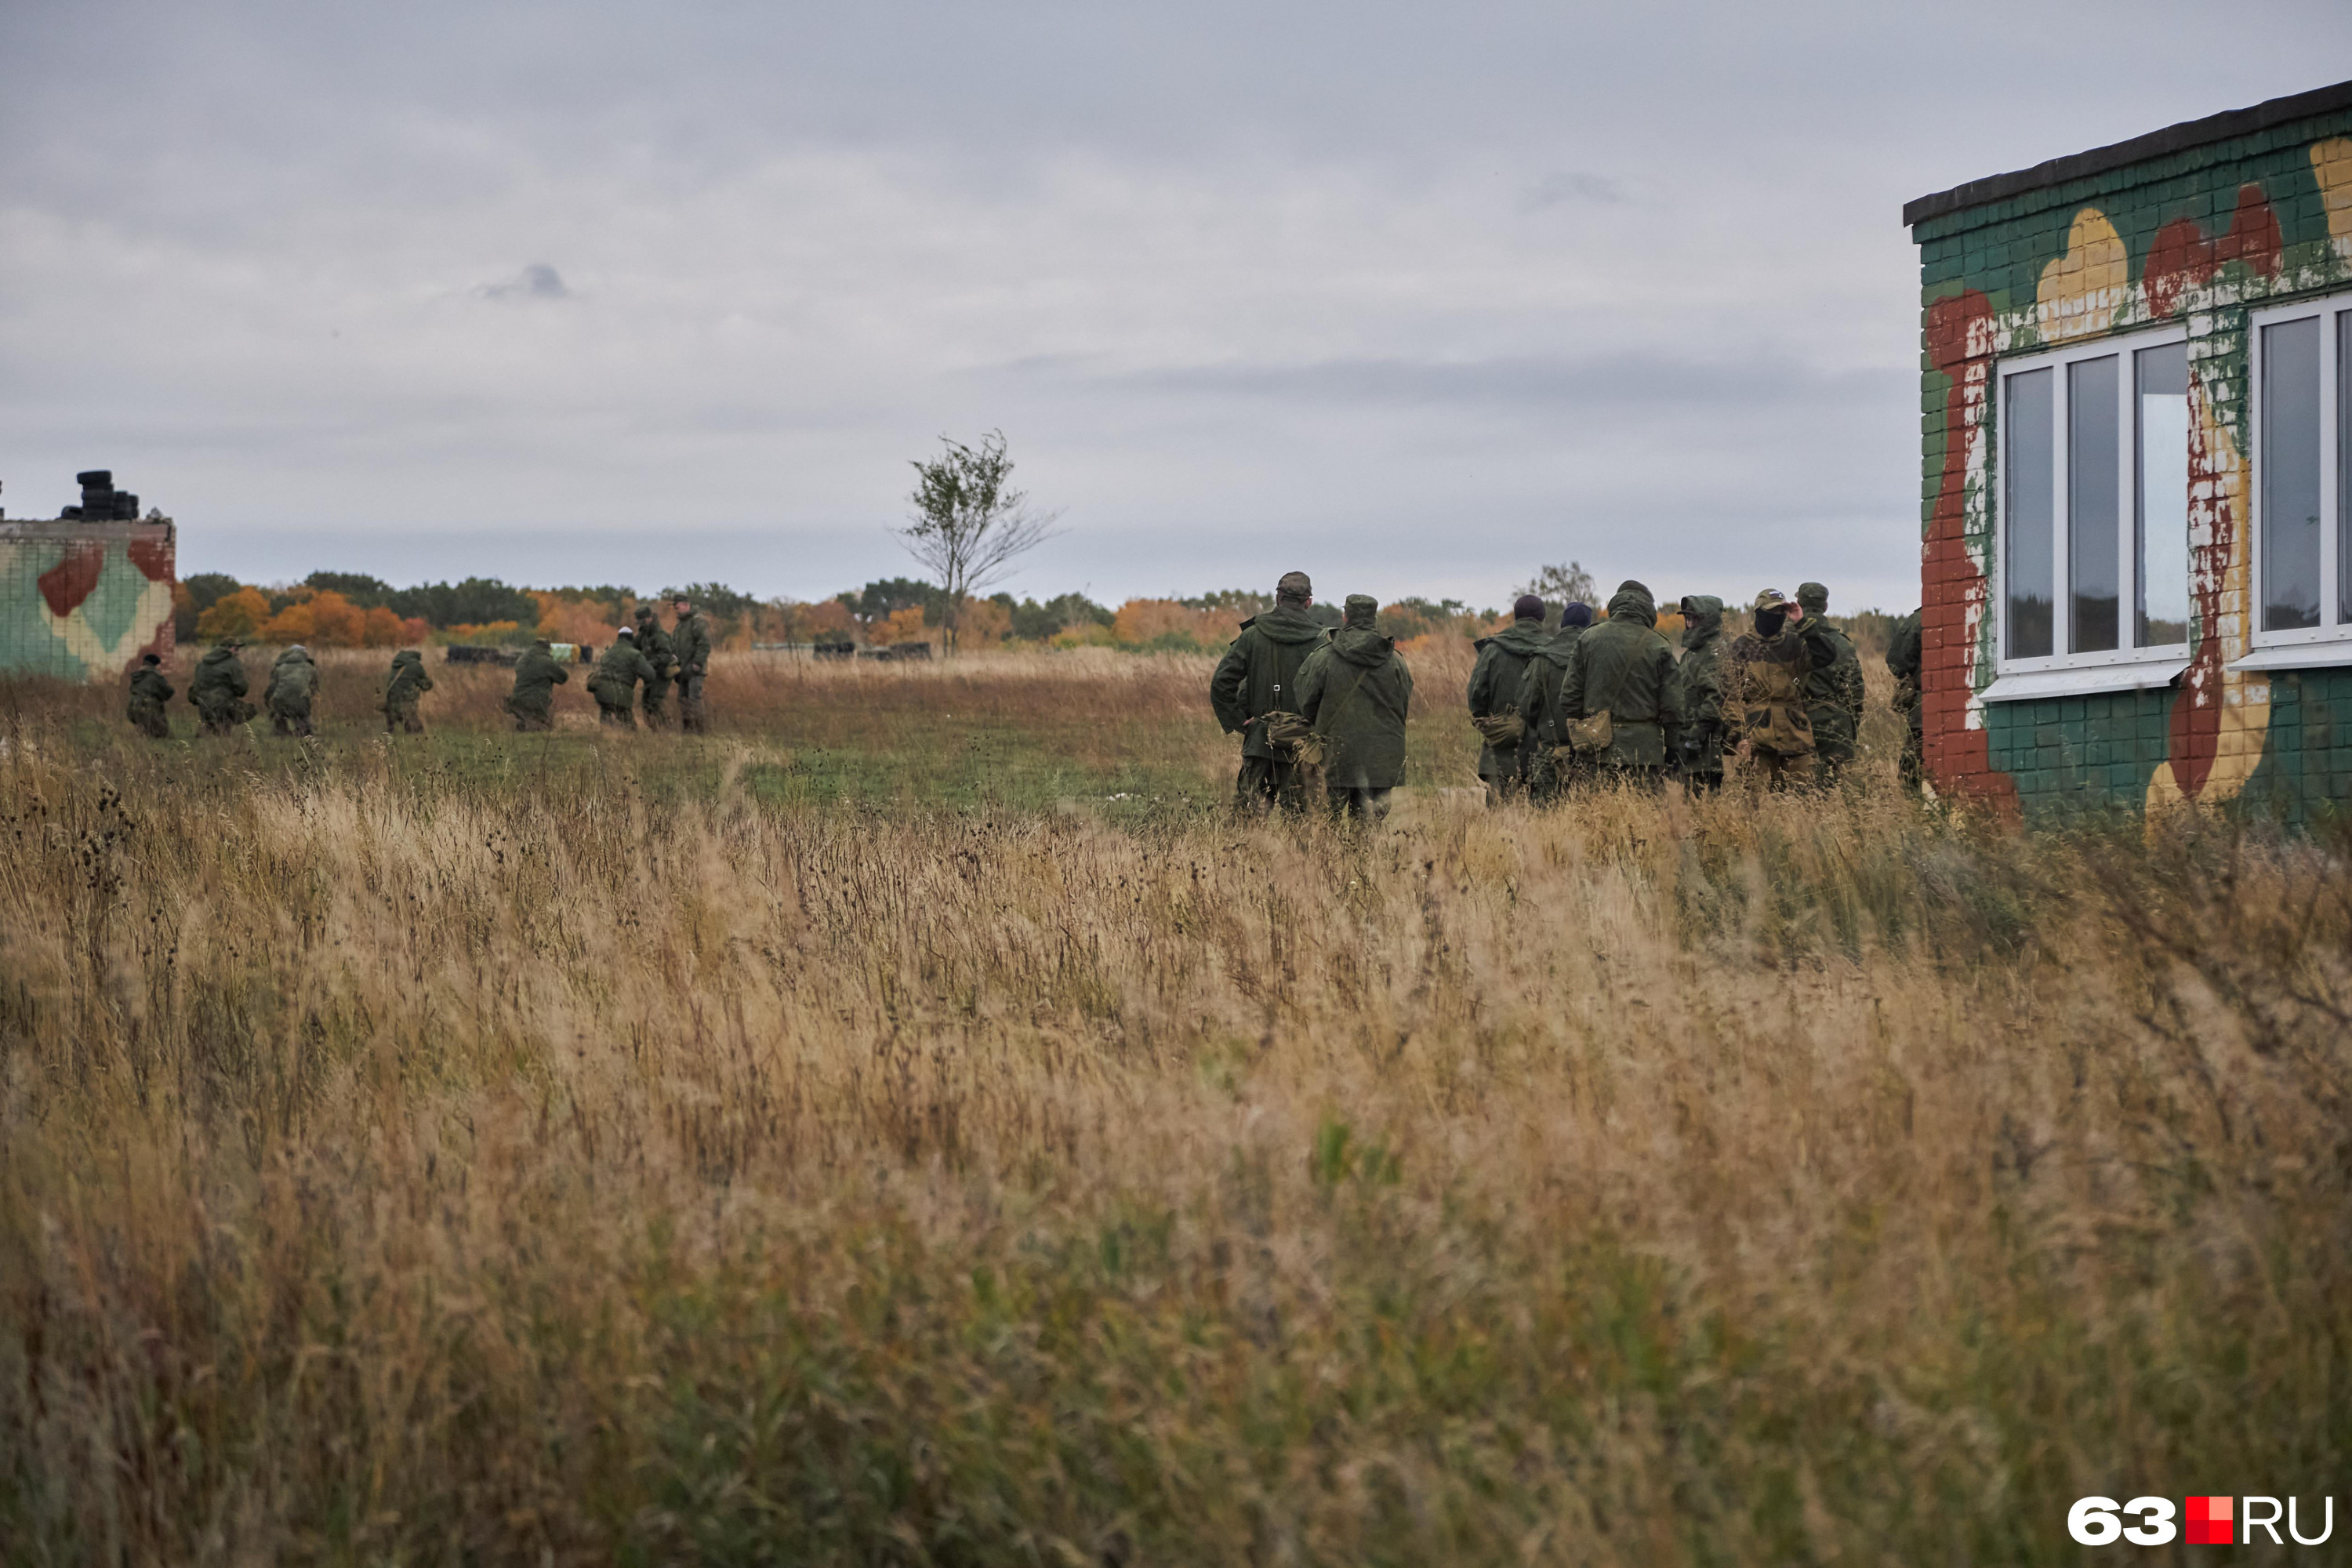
(1589, 702)
(643, 655)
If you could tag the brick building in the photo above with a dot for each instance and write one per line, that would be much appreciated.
(82, 596)
(2137, 447)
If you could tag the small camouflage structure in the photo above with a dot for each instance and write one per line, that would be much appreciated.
(82, 599)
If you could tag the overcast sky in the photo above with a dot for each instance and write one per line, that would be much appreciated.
(1413, 297)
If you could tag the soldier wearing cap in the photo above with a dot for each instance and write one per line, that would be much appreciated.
(218, 688)
(1256, 681)
(1833, 694)
(1765, 678)
(1355, 691)
(1494, 696)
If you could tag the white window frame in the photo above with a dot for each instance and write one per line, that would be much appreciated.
(2059, 673)
(2329, 642)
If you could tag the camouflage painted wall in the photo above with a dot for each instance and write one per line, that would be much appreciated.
(82, 600)
(2199, 237)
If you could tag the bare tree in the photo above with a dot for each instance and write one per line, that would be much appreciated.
(970, 524)
(1557, 586)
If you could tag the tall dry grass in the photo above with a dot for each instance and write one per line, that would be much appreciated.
(396, 1166)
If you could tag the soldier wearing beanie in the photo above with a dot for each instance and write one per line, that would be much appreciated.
(1257, 680)
(1494, 697)
(1355, 691)
(1549, 765)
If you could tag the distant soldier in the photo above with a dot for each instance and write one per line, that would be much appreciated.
(219, 690)
(1832, 695)
(1698, 694)
(149, 692)
(1539, 703)
(1765, 675)
(1902, 650)
(402, 687)
(293, 681)
(690, 640)
(1355, 691)
(1617, 699)
(1258, 679)
(537, 675)
(614, 685)
(655, 644)
(1494, 696)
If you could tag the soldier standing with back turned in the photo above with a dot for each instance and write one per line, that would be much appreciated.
(1494, 697)
(1258, 679)
(1698, 694)
(1903, 662)
(1539, 704)
(690, 640)
(653, 643)
(1833, 694)
(1621, 682)
(1355, 691)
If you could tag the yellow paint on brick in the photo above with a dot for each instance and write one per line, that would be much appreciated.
(2331, 165)
(2082, 291)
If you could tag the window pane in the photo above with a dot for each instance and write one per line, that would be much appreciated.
(2290, 475)
(2094, 464)
(2031, 456)
(2162, 529)
(2344, 467)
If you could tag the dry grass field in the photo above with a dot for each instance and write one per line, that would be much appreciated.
(860, 1135)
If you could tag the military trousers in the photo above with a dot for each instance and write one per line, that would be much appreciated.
(615, 713)
(655, 704)
(1913, 768)
(691, 717)
(400, 720)
(283, 722)
(1265, 783)
(223, 721)
(1781, 769)
(151, 723)
(528, 719)
(1359, 803)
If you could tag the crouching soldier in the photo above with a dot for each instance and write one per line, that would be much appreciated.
(219, 687)
(537, 675)
(1355, 691)
(149, 692)
(293, 681)
(1698, 695)
(402, 687)
(614, 685)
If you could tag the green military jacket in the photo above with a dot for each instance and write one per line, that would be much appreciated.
(1503, 658)
(689, 643)
(1259, 674)
(655, 644)
(1355, 691)
(1903, 661)
(1623, 667)
(618, 669)
(1833, 694)
(219, 681)
(537, 675)
(406, 682)
(148, 690)
(1539, 686)
(1698, 686)
(292, 680)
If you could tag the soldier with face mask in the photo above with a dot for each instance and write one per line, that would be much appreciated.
(1355, 691)
(1834, 693)
(1494, 697)
(1549, 765)
(1698, 694)
(1256, 681)
(1765, 675)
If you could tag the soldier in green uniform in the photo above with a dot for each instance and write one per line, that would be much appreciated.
(1539, 703)
(402, 687)
(537, 675)
(1494, 696)
(1355, 691)
(689, 640)
(614, 683)
(1766, 675)
(1258, 679)
(1698, 694)
(654, 644)
(293, 681)
(1903, 663)
(1620, 685)
(149, 692)
(219, 690)
(1834, 695)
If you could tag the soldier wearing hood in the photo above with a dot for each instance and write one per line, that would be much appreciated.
(537, 675)
(655, 644)
(1765, 675)
(1620, 685)
(1258, 679)
(1494, 696)
(1698, 693)
(1539, 702)
(1355, 691)
(402, 687)
(219, 690)
(1903, 663)
(293, 681)
(1834, 691)
(149, 692)
(614, 683)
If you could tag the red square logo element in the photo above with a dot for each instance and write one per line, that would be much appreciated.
(2208, 1519)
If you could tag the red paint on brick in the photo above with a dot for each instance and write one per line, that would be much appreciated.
(2182, 258)
(153, 557)
(1959, 344)
(66, 585)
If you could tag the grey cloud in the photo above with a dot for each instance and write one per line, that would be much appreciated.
(1566, 187)
(536, 281)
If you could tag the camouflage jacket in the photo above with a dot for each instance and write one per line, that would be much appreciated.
(537, 675)
(1698, 686)
(292, 680)
(1623, 667)
(1834, 691)
(406, 681)
(655, 644)
(1355, 691)
(689, 643)
(1764, 684)
(219, 681)
(1903, 660)
(1539, 686)
(1259, 674)
(149, 691)
(618, 671)
(1503, 658)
